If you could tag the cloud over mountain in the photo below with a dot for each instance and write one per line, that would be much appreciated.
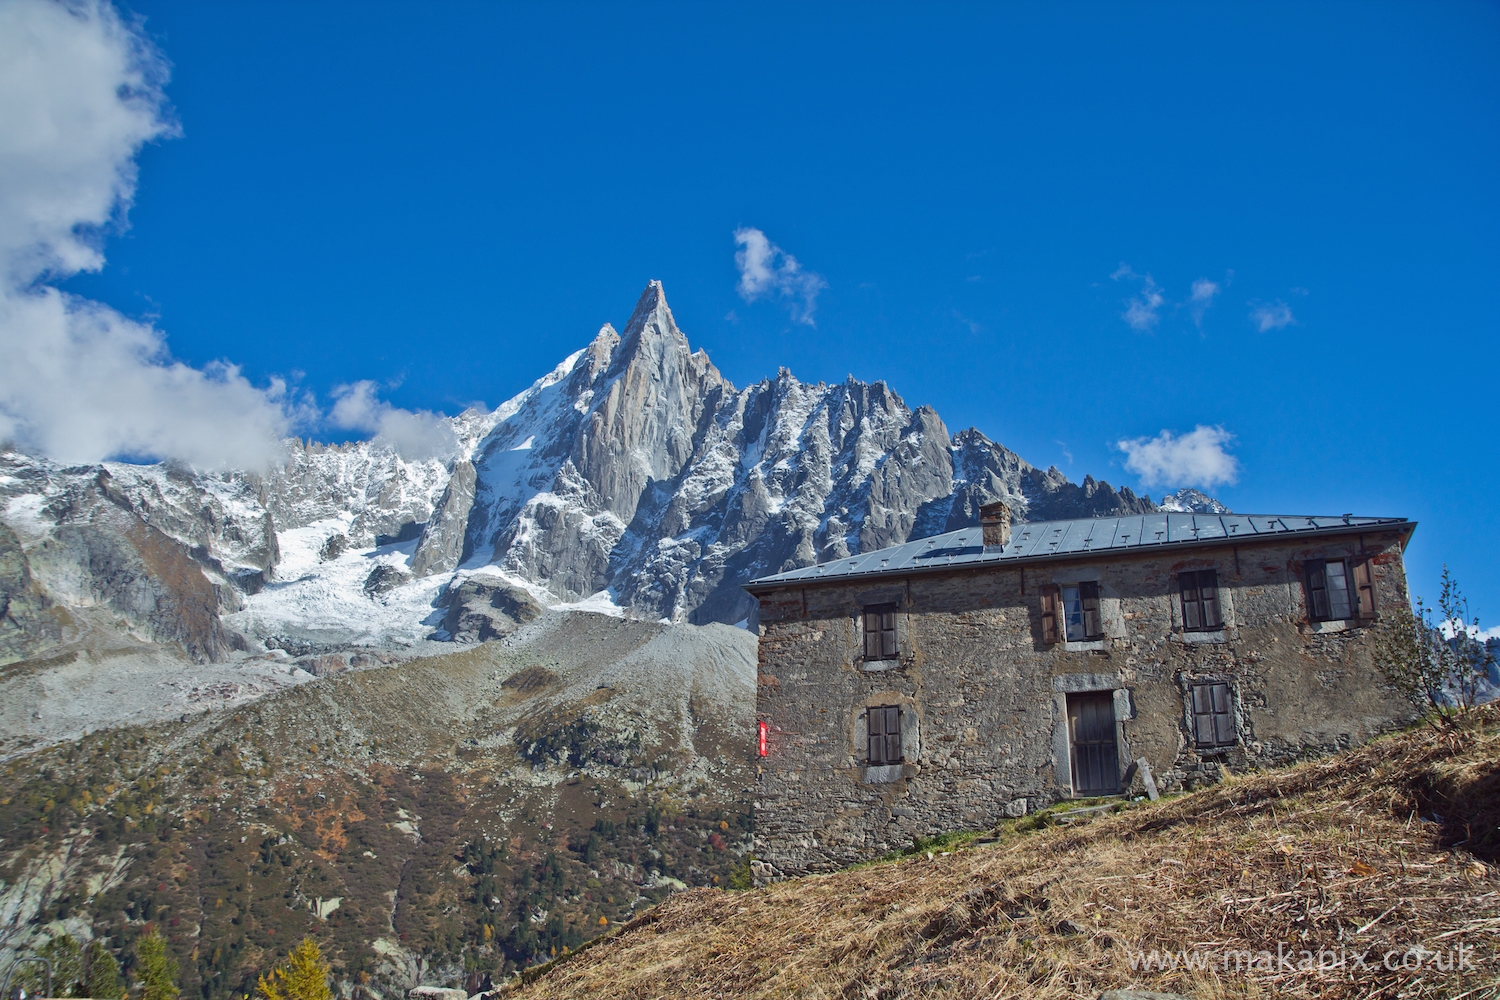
(416, 435)
(1197, 458)
(766, 269)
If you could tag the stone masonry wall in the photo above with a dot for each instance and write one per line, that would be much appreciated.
(984, 725)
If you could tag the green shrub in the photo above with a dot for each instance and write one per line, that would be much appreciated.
(102, 980)
(156, 969)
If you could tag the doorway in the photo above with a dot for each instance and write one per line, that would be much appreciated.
(1091, 733)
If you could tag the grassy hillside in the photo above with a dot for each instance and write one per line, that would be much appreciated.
(1379, 850)
(434, 821)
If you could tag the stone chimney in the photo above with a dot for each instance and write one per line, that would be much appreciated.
(994, 519)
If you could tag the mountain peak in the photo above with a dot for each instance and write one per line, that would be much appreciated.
(651, 334)
(1192, 501)
(651, 306)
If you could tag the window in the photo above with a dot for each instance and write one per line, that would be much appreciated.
(1071, 611)
(1200, 600)
(1213, 714)
(883, 727)
(880, 632)
(1328, 597)
(1081, 611)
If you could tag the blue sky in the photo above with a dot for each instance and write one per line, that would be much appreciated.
(1004, 210)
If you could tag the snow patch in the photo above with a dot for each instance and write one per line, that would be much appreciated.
(602, 603)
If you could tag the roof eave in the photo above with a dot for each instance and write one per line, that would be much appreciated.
(765, 585)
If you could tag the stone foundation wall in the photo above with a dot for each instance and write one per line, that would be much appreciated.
(984, 700)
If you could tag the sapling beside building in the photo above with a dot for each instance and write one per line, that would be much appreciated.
(953, 681)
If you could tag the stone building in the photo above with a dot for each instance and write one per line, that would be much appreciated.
(953, 681)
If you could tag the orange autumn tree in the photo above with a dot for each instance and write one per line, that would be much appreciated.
(305, 976)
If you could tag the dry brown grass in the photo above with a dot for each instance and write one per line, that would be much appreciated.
(1332, 854)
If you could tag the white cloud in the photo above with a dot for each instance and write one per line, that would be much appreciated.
(1141, 309)
(416, 435)
(1272, 316)
(766, 269)
(81, 383)
(80, 93)
(1453, 626)
(1197, 458)
(1203, 294)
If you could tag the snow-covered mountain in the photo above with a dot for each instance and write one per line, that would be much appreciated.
(1190, 501)
(632, 476)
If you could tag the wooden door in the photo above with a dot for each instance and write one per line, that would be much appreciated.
(1091, 730)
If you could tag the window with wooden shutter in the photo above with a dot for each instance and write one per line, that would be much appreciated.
(1080, 607)
(1093, 623)
(1364, 588)
(1328, 590)
(1317, 591)
(1200, 600)
(1051, 613)
(883, 729)
(1213, 714)
(880, 632)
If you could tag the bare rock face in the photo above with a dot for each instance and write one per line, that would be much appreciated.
(333, 547)
(441, 546)
(163, 552)
(480, 610)
(142, 573)
(25, 622)
(383, 579)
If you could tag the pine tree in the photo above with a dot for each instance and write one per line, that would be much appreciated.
(66, 958)
(103, 978)
(157, 978)
(305, 976)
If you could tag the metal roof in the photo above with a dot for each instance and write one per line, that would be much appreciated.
(1036, 541)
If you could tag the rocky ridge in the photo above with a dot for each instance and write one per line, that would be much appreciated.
(633, 477)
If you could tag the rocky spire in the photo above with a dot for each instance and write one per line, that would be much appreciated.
(643, 428)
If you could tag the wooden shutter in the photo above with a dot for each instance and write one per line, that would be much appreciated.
(888, 634)
(1088, 595)
(883, 729)
(1192, 617)
(880, 632)
(1208, 596)
(1051, 612)
(1364, 589)
(1203, 715)
(1317, 591)
(1223, 714)
(892, 734)
(1213, 715)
